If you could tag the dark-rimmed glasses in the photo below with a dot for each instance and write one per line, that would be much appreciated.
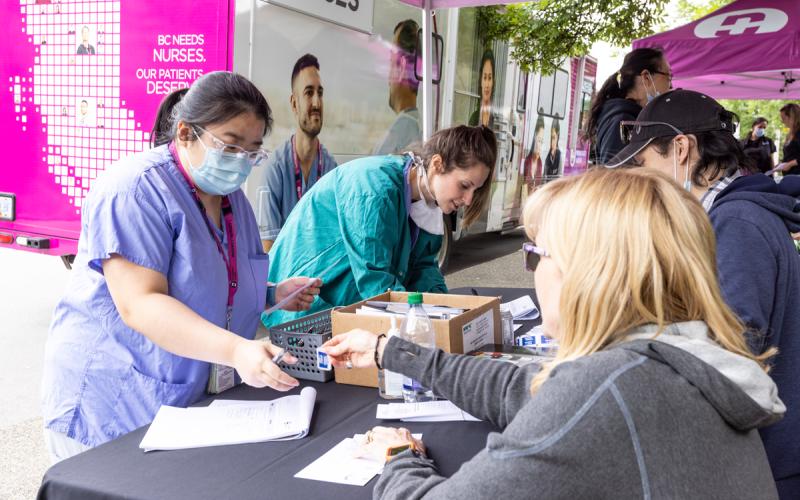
(668, 75)
(628, 128)
(532, 255)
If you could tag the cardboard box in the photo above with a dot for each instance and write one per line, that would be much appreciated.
(478, 326)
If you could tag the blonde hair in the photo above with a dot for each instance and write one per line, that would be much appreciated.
(792, 111)
(633, 249)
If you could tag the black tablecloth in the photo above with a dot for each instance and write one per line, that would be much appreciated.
(119, 469)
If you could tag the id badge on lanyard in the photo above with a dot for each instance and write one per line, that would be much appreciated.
(298, 176)
(221, 377)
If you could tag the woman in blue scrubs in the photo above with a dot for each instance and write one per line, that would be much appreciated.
(170, 277)
(377, 222)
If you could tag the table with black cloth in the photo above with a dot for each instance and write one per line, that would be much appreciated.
(119, 469)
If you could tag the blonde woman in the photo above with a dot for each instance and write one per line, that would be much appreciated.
(790, 117)
(653, 392)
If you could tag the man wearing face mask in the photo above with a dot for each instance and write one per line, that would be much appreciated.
(170, 277)
(302, 160)
(690, 136)
(758, 146)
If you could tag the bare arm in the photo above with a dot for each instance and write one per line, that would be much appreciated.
(141, 297)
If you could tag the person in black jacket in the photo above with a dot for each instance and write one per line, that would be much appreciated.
(790, 116)
(758, 146)
(644, 74)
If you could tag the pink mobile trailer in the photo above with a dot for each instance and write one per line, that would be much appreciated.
(81, 83)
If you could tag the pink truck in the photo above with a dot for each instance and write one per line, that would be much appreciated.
(80, 90)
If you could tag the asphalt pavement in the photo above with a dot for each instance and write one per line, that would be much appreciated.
(32, 284)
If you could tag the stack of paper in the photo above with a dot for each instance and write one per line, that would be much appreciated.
(429, 411)
(523, 308)
(231, 422)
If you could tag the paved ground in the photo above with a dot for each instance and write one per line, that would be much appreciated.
(30, 286)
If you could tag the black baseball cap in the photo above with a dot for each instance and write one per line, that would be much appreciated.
(672, 113)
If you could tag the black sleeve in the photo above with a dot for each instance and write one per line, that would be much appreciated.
(791, 151)
(609, 140)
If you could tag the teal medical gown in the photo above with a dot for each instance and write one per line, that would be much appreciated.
(356, 219)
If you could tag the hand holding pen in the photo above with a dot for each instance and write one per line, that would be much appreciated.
(258, 364)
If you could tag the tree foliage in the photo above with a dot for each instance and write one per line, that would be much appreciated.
(545, 33)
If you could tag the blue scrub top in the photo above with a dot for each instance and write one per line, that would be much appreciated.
(102, 379)
(404, 131)
(278, 196)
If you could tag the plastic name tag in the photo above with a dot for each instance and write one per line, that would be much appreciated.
(220, 378)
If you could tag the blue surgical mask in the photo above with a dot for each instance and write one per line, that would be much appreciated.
(220, 173)
(759, 132)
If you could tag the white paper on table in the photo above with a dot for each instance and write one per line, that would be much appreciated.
(429, 411)
(340, 464)
(522, 308)
(239, 422)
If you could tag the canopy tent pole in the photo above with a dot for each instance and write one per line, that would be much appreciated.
(427, 81)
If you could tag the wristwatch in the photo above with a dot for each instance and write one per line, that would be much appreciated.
(396, 450)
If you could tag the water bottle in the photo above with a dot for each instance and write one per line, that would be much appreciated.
(390, 384)
(507, 322)
(417, 328)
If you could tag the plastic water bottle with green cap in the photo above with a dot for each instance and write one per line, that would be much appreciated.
(417, 328)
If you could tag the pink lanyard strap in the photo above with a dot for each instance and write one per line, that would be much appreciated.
(230, 229)
(298, 178)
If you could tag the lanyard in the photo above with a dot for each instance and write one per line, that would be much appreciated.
(230, 228)
(298, 176)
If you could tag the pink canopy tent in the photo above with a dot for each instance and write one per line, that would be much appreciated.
(749, 49)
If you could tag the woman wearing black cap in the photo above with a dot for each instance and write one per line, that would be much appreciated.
(690, 136)
(644, 75)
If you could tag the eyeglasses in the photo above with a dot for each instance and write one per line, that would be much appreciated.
(255, 157)
(629, 128)
(532, 255)
(668, 75)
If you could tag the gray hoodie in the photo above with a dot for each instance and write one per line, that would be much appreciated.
(671, 417)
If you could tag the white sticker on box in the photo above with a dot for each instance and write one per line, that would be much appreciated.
(479, 331)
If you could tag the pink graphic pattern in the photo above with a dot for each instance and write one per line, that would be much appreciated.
(75, 89)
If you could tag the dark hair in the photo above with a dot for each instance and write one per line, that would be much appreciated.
(759, 121)
(620, 83)
(162, 127)
(463, 147)
(536, 128)
(488, 55)
(406, 32)
(217, 97)
(305, 61)
(720, 153)
(556, 127)
(407, 40)
(760, 158)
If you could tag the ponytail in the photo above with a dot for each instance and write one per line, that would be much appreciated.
(620, 84)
